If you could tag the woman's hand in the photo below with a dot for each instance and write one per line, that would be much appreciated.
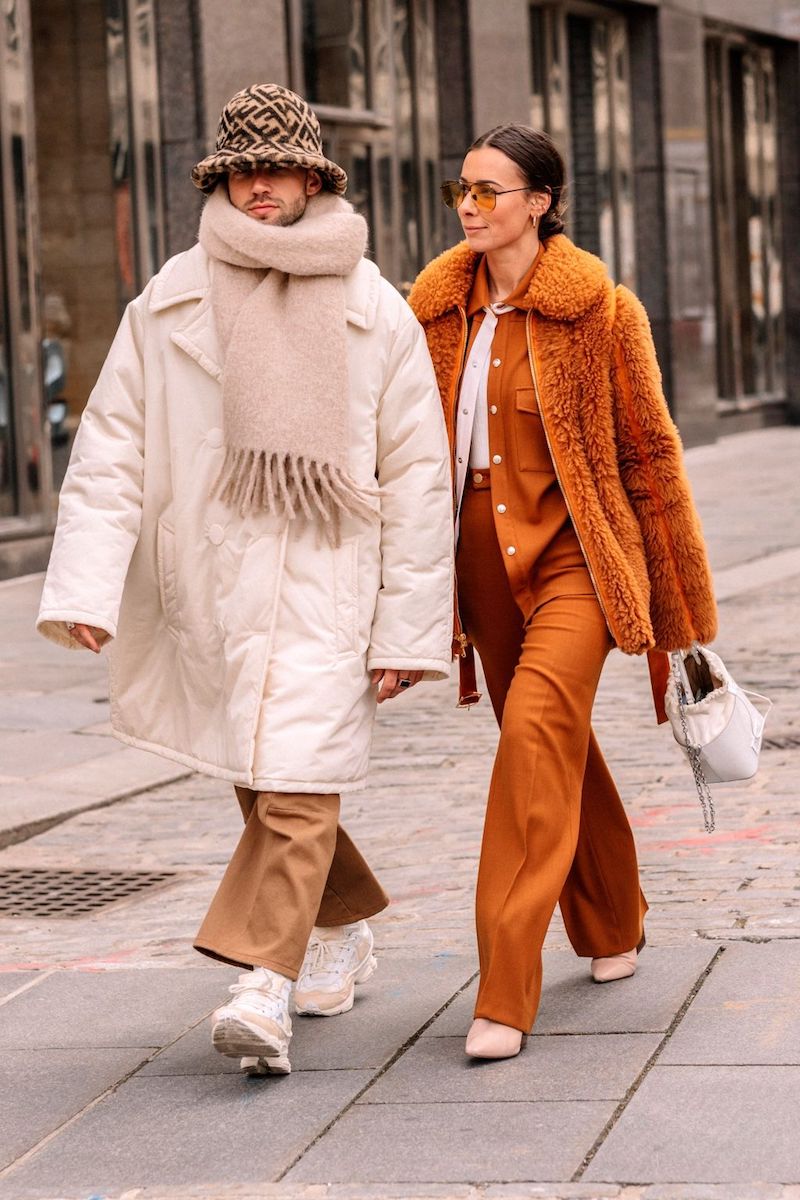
(89, 636)
(393, 683)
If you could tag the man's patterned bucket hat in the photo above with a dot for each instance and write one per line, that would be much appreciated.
(266, 123)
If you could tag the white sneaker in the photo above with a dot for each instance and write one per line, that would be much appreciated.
(256, 1022)
(336, 960)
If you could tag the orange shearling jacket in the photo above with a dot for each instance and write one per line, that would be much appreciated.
(615, 448)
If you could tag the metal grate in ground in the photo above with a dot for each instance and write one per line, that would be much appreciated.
(53, 892)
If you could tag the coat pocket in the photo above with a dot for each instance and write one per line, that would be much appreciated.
(167, 573)
(345, 590)
(533, 453)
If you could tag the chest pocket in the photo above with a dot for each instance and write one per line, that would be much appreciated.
(532, 450)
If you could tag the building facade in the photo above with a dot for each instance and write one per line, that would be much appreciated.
(679, 121)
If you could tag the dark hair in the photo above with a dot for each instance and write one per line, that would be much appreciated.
(540, 163)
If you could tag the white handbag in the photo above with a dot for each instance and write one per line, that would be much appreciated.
(714, 721)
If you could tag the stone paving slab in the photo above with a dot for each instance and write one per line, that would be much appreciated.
(40, 1089)
(459, 1142)
(770, 569)
(72, 1009)
(748, 1011)
(58, 711)
(24, 803)
(600, 1067)
(573, 1003)
(11, 980)
(454, 1191)
(163, 1131)
(389, 1009)
(23, 752)
(709, 1125)
(121, 771)
(21, 672)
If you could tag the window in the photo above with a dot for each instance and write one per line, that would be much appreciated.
(744, 161)
(580, 95)
(134, 142)
(368, 69)
(24, 457)
(100, 180)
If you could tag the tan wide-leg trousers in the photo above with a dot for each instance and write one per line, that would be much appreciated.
(555, 826)
(294, 867)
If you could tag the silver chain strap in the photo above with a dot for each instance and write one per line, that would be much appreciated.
(700, 781)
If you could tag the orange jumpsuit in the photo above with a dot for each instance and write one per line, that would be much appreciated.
(555, 829)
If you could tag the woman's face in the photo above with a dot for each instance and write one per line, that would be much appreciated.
(509, 223)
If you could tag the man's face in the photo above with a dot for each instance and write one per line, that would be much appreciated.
(273, 194)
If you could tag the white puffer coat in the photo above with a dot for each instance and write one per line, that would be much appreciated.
(242, 648)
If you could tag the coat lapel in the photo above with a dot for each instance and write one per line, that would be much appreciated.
(185, 280)
(198, 338)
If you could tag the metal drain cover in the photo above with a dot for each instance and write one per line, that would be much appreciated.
(43, 892)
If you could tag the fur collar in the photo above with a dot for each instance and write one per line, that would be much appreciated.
(567, 282)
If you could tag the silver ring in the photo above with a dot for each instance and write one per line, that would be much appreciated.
(70, 625)
(404, 683)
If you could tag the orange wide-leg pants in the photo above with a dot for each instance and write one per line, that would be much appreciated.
(555, 829)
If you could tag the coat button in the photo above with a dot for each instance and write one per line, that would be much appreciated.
(496, 362)
(501, 508)
(216, 535)
(214, 438)
(493, 409)
(511, 550)
(497, 459)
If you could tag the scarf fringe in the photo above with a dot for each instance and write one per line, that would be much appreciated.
(254, 481)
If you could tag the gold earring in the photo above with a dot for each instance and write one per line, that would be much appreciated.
(535, 219)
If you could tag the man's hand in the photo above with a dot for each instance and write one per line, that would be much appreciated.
(89, 636)
(392, 683)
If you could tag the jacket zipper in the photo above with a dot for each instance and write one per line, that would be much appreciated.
(459, 637)
(564, 492)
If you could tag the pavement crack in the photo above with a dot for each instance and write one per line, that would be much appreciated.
(26, 987)
(387, 1066)
(647, 1068)
(32, 829)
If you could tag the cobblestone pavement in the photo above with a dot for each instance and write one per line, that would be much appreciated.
(419, 823)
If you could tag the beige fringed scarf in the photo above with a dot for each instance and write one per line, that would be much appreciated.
(278, 298)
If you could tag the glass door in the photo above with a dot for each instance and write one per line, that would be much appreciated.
(581, 95)
(744, 157)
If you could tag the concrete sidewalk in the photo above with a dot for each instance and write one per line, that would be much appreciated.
(682, 1083)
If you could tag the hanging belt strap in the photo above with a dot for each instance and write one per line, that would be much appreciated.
(468, 693)
(658, 664)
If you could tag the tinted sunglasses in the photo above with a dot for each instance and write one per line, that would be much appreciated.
(484, 196)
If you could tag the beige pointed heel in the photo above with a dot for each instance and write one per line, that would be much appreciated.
(617, 966)
(489, 1039)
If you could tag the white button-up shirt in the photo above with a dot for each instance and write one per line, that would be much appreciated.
(472, 422)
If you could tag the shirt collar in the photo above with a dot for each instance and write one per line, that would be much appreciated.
(479, 296)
